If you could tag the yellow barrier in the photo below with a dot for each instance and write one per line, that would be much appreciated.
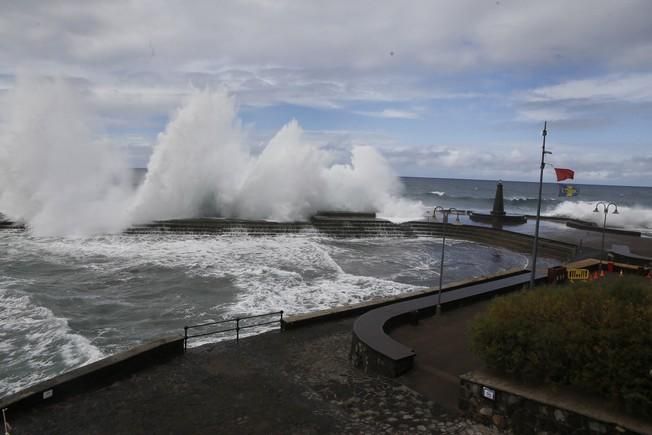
(577, 274)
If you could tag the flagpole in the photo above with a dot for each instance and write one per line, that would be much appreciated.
(536, 230)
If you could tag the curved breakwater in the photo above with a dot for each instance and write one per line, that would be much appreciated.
(360, 228)
(350, 228)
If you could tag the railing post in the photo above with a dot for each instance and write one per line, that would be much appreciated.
(237, 326)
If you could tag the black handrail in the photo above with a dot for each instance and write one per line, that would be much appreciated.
(237, 328)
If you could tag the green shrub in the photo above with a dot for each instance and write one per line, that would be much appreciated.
(595, 336)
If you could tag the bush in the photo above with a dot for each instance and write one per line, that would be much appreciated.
(596, 336)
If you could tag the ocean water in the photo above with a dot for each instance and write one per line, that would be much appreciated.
(634, 203)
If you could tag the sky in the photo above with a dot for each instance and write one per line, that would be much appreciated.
(455, 88)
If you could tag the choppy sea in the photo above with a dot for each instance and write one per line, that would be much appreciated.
(634, 203)
(65, 302)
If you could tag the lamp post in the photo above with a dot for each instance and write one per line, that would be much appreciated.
(535, 247)
(445, 213)
(605, 208)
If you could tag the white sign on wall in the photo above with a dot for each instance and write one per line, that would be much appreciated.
(489, 393)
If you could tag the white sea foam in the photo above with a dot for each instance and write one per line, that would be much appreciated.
(636, 217)
(294, 273)
(61, 180)
(199, 162)
(34, 339)
(298, 296)
(400, 210)
(54, 172)
(438, 193)
(229, 255)
(201, 165)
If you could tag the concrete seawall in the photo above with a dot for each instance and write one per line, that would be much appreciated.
(346, 225)
(354, 228)
(95, 375)
(359, 228)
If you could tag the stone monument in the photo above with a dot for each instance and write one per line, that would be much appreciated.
(497, 217)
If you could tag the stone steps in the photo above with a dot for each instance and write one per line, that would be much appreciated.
(351, 229)
(363, 228)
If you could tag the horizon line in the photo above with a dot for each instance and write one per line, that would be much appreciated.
(510, 181)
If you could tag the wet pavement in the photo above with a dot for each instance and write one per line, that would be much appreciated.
(295, 382)
(443, 352)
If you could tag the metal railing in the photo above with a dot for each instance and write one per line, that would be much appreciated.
(237, 327)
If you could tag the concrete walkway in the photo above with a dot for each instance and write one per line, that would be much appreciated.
(296, 382)
(443, 352)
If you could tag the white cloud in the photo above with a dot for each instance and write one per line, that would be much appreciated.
(357, 37)
(544, 114)
(314, 54)
(588, 102)
(138, 60)
(630, 88)
(519, 162)
(392, 113)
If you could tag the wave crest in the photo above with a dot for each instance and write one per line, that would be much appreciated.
(59, 179)
(635, 217)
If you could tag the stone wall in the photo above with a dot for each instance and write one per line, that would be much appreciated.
(365, 358)
(494, 402)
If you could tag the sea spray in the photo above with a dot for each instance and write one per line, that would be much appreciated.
(199, 162)
(55, 174)
(286, 181)
(369, 183)
(632, 217)
(201, 165)
(292, 179)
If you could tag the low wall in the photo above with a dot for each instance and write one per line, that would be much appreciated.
(373, 350)
(94, 375)
(365, 358)
(344, 311)
(598, 229)
(526, 410)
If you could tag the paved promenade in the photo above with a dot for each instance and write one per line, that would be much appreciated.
(443, 353)
(296, 382)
